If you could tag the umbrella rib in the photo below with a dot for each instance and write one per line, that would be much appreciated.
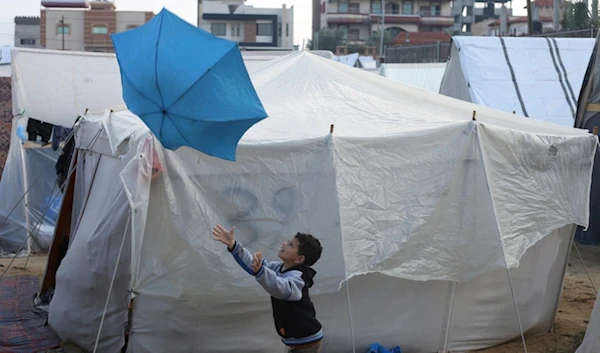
(156, 64)
(176, 128)
(198, 80)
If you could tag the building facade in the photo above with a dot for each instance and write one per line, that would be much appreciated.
(27, 32)
(86, 28)
(251, 27)
(360, 18)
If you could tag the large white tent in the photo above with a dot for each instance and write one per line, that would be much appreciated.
(427, 76)
(437, 229)
(538, 78)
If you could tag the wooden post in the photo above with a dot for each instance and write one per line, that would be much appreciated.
(595, 131)
(62, 233)
(474, 113)
(331, 129)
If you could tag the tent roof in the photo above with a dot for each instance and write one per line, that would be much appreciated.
(427, 76)
(548, 73)
(303, 94)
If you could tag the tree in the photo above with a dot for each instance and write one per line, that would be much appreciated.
(327, 39)
(595, 14)
(577, 16)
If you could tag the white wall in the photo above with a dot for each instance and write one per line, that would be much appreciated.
(5, 70)
(73, 40)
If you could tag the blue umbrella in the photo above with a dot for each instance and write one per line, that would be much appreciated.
(188, 86)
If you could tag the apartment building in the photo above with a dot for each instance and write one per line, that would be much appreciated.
(252, 27)
(85, 25)
(360, 18)
(27, 32)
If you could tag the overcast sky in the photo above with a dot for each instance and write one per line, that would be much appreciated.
(186, 9)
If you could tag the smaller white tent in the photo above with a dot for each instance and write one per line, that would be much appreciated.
(427, 76)
(591, 341)
(534, 77)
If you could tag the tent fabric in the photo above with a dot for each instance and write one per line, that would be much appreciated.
(409, 195)
(588, 117)
(425, 76)
(591, 341)
(534, 77)
(30, 195)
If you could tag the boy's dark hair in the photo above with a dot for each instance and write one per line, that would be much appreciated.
(310, 247)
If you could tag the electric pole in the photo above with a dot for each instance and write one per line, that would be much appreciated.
(62, 30)
(529, 18)
(382, 29)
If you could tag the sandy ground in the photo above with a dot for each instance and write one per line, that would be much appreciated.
(574, 309)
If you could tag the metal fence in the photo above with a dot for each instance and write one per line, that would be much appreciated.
(581, 33)
(440, 52)
(430, 53)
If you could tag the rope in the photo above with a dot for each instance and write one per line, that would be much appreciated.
(112, 281)
(585, 268)
(92, 142)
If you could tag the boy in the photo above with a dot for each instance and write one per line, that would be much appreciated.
(287, 281)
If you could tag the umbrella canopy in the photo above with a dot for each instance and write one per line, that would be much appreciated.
(188, 86)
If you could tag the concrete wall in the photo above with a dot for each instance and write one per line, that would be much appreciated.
(74, 19)
(27, 32)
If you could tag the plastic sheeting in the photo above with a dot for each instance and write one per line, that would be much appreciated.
(408, 195)
(30, 195)
(534, 77)
(591, 341)
(425, 76)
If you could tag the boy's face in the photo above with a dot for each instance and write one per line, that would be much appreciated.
(289, 252)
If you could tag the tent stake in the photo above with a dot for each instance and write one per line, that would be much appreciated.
(331, 129)
(474, 113)
(595, 131)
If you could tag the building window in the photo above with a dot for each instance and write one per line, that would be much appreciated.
(287, 29)
(424, 11)
(393, 8)
(376, 7)
(132, 27)
(264, 29)
(218, 29)
(99, 29)
(279, 29)
(354, 7)
(233, 29)
(63, 29)
(237, 30)
(408, 8)
(343, 6)
(27, 41)
(436, 10)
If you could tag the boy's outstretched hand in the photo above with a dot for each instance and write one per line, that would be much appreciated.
(224, 236)
(257, 262)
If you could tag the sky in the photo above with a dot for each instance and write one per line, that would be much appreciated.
(185, 9)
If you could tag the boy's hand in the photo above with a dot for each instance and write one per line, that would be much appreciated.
(224, 236)
(257, 262)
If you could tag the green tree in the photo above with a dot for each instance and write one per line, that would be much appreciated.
(577, 16)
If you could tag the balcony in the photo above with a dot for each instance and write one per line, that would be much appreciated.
(348, 18)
